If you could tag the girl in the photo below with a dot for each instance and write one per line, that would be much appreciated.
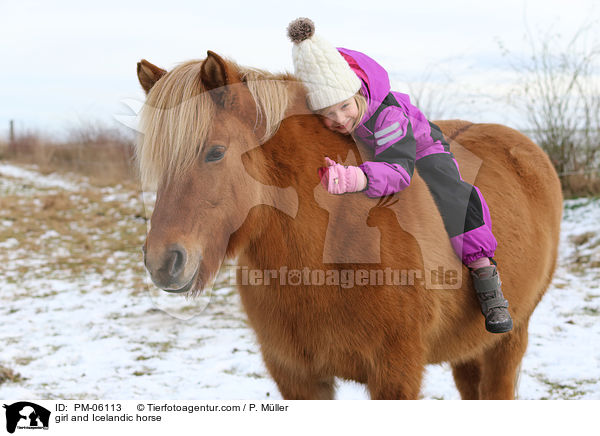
(353, 93)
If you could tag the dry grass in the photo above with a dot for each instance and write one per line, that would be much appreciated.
(103, 154)
(72, 234)
(8, 375)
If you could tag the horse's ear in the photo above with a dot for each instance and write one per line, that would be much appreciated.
(216, 76)
(148, 74)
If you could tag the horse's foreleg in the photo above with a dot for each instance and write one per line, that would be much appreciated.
(500, 365)
(467, 376)
(396, 384)
(398, 374)
(300, 385)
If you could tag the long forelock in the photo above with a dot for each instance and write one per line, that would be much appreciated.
(176, 118)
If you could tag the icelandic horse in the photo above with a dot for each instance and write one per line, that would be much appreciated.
(233, 153)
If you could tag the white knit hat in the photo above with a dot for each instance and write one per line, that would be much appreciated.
(325, 73)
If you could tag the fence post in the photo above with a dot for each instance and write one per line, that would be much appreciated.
(12, 131)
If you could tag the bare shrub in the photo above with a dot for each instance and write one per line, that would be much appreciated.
(101, 151)
(558, 93)
(435, 91)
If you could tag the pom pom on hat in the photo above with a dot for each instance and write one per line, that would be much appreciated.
(325, 73)
(301, 29)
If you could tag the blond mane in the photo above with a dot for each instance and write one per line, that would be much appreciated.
(177, 116)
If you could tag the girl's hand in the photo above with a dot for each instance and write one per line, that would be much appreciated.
(339, 179)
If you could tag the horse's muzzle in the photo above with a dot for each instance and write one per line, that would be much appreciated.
(168, 269)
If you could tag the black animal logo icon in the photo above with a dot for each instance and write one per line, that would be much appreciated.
(31, 414)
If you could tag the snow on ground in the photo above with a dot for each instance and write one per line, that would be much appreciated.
(78, 320)
(29, 176)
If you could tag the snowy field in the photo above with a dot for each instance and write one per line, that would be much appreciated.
(78, 320)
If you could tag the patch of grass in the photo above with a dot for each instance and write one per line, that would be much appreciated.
(255, 375)
(594, 244)
(581, 265)
(591, 311)
(23, 361)
(10, 376)
(583, 238)
(55, 348)
(143, 357)
(574, 205)
(162, 347)
(564, 391)
(144, 371)
(46, 294)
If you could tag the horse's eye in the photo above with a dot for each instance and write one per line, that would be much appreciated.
(215, 153)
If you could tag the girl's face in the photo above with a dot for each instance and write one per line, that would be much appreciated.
(342, 116)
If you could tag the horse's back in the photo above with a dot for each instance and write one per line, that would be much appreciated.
(524, 196)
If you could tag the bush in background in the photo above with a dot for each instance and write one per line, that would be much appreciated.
(104, 154)
(558, 93)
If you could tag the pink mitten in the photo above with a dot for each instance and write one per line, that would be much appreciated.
(340, 179)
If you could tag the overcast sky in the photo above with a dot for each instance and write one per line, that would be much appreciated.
(68, 61)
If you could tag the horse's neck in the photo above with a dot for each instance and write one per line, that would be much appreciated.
(297, 219)
(282, 231)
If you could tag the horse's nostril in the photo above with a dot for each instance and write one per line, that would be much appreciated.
(176, 262)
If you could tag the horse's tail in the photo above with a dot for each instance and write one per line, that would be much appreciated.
(517, 380)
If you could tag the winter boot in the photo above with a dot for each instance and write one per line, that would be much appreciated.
(493, 304)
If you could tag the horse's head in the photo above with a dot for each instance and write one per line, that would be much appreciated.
(382, 212)
(198, 124)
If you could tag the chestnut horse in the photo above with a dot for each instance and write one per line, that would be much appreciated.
(233, 153)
